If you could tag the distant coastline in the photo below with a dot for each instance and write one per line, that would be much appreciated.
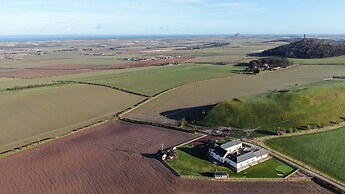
(37, 38)
(34, 38)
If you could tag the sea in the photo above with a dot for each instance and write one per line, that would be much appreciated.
(34, 38)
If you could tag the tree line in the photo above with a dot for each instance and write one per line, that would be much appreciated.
(255, 66)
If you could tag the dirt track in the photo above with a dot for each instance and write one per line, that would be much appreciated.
(115, 158)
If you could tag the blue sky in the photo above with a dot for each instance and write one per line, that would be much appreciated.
(37, 17)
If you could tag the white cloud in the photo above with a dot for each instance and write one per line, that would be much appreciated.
(186, 1)
(233, 5)
(181, 1)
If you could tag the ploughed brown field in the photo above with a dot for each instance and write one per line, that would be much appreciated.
(37, 73)
(116, 158)
(63, 69)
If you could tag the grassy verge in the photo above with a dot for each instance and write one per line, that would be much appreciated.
(193, 161)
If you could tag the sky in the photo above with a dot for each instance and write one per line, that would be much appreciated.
(138, 17)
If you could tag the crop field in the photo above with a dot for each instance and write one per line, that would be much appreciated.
(61, 63)
(324, 61)
(193, 161)
(38, 73)
(13, 82)
(62, 58)
(230, 54)
(59, 69)
(116, 158)
(180, 102)
(301, 108)
(153, 80)
(30, 114)
(323, 151)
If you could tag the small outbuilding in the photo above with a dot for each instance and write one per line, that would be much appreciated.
(167, 154)
(221, 175)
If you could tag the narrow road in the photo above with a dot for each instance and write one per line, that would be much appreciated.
(304, 170)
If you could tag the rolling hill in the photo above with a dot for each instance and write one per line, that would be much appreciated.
(307, 49)
(314, 106)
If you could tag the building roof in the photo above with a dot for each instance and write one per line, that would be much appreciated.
(220, 173)
(219, 151)
(231, 144)
(260, 152)
(240, 158)
(245, 157)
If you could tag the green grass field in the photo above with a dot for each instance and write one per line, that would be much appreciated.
(13, 82)
(193, 161)
(50, 111)
(146, 80)
(232, 53)
(218, 90)
(324, 61)
(152, 80)
(308, 107)
(323, 151)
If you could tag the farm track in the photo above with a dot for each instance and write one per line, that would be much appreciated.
(102, 85)
(116, 157)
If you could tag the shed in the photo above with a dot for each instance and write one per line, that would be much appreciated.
(221, 175)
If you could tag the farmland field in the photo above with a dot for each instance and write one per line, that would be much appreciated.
(13, 82)
(47, 111)
(152, 80)
(324, 61)
(120, 157)
(180, 102)
(63, 69)
(323, 151)
(230, 54)
(64, 59)
(116, 158)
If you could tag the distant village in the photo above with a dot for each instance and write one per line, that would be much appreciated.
(160, 57)
(203, 46)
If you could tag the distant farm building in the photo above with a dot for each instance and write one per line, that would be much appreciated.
(237, 155)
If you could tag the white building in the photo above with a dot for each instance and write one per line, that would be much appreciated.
(221, 175)
(238, 155)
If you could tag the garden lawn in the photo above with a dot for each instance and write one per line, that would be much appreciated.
(193, 161)
(266, 169)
